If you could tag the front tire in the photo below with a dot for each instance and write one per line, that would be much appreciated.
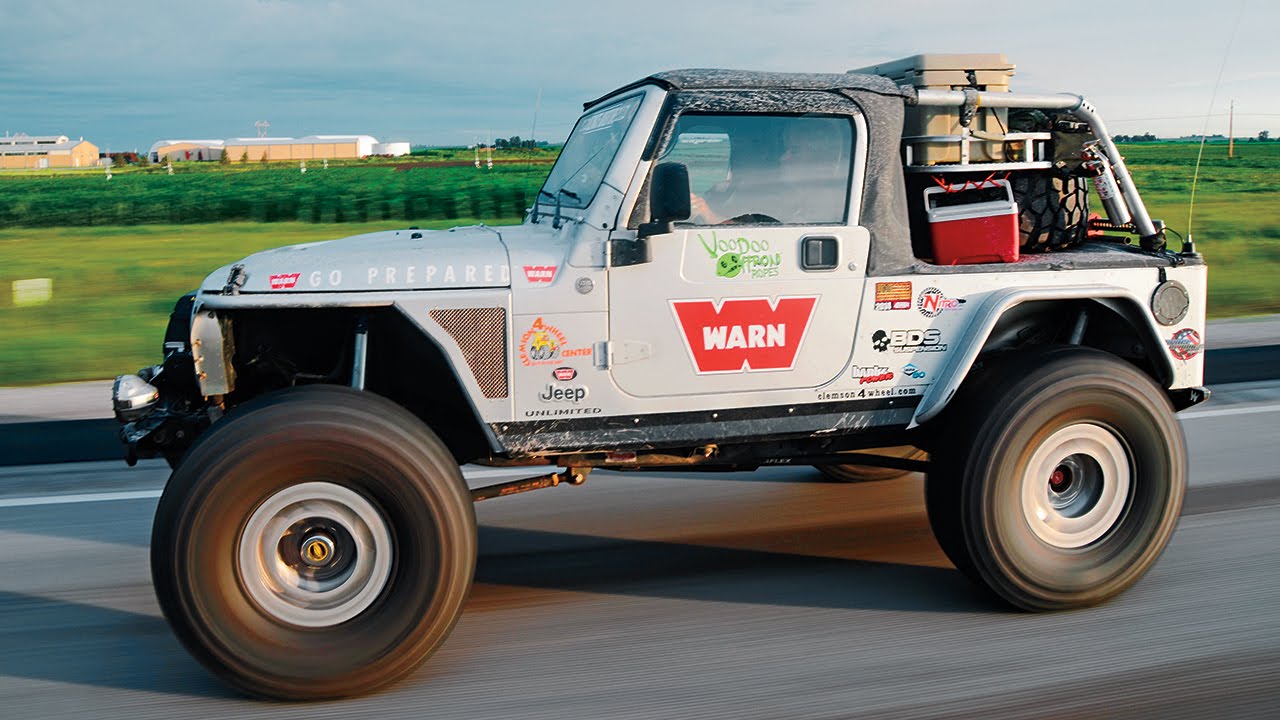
(1062, 480)
(320, 544)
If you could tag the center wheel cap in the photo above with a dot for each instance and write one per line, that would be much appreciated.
(317, 550)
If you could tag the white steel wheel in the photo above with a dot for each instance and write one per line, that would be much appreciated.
(315, 554)
(1059, 477)
(317, 543)
(1076, 485)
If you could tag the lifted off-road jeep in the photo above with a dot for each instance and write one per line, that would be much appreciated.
(723, 270)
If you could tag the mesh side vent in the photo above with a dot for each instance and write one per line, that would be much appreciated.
(481, 334)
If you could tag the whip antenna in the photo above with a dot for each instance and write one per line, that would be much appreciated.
(1204, 133)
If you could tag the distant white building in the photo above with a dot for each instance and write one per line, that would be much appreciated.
(312, 147)
(394, 149)
(199, 150)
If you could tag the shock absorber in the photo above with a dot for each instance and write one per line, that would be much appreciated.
(1097, 167)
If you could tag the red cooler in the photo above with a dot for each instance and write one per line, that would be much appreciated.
(973, 224)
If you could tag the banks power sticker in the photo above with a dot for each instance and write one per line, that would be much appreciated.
(540, 273)
(872, 374)
(544, 344)
(933, 303)
(739, 335)
(893, 296)
(284, 281)
(1185, 344)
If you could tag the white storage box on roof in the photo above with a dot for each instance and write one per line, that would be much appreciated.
(988, 72)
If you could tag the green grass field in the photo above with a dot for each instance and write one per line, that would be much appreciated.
(114, 284)
(1236, 224)
(351, 192)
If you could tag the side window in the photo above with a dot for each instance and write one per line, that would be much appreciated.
(765, 169)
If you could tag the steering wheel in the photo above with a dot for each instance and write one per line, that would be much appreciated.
(751, 219)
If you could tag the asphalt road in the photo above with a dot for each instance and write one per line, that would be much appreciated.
(765, 595)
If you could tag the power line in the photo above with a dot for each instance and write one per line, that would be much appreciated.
(1189, 117)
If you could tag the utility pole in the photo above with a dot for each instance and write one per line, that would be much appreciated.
(1231, 134)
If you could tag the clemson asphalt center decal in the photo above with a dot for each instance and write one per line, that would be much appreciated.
(736, 335)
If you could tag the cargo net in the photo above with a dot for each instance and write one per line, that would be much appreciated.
(481, 335)
(1053, 205)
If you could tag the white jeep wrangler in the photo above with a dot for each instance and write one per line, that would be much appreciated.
(724, 270)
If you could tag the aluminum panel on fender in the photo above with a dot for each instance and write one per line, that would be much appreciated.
(418, 308)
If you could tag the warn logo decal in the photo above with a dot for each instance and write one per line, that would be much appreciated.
(540, 273)
(284, 281)
(743, 334)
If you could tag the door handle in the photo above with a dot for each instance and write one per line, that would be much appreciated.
(819, 253)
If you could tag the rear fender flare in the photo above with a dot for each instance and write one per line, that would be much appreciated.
(1120, 300)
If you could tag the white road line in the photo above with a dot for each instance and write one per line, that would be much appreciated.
(1229, 411)
(471, 472)
(74, 499)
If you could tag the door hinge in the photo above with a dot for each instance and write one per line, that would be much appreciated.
(619, 352)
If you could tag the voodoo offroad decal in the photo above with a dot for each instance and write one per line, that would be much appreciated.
(741, 257)
(743, 334)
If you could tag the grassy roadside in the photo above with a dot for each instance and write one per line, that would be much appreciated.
(113, 288)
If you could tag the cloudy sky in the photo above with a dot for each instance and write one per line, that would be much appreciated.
(125, 73)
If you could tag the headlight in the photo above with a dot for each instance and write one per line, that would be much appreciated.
(132, 397)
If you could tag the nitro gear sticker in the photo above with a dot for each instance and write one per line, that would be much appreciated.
(933, 303)
(544, 344)
(743, 334)
(893, 296)
(1185, 344)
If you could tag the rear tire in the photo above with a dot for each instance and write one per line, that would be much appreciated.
(867, 473)
(1062, 481)
(319, 544)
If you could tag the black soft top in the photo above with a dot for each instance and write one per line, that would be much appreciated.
(719, 79)
(884, 200)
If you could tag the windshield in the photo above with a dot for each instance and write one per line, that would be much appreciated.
(588, 153)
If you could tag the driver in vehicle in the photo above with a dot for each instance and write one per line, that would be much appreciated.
(805, 184)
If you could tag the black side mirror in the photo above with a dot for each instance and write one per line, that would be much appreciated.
(668, 198)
